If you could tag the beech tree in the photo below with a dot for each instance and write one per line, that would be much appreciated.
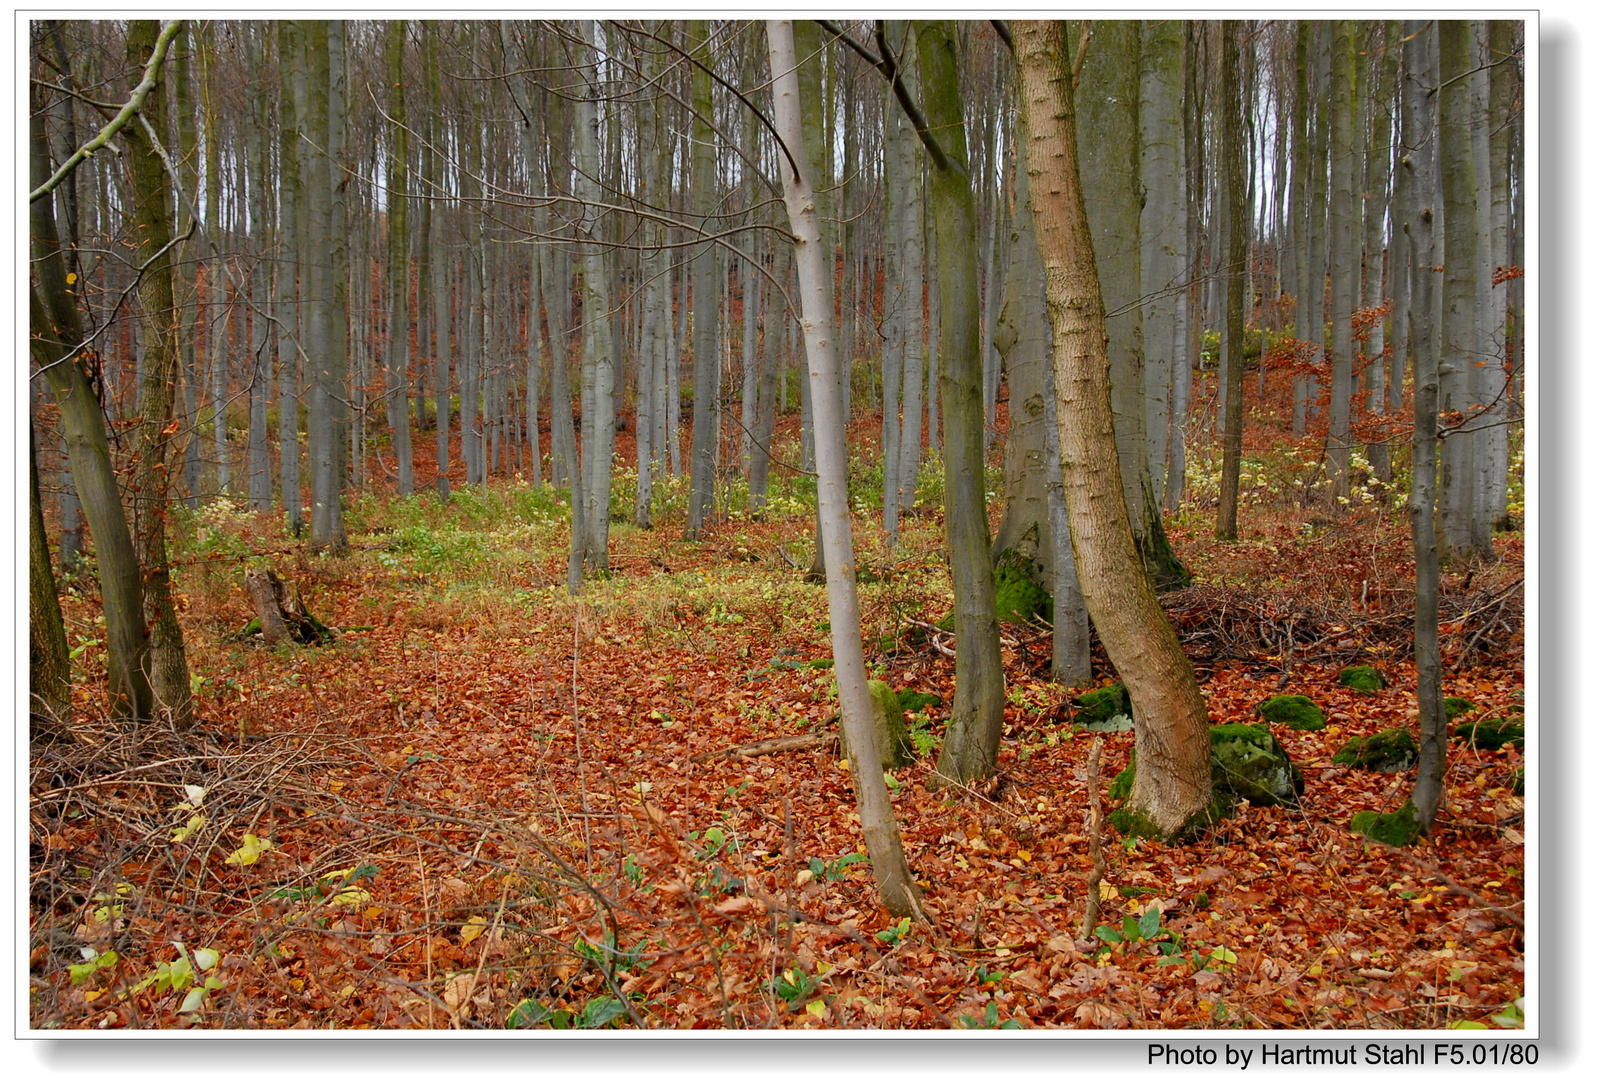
(896, 885)
(1172, 789)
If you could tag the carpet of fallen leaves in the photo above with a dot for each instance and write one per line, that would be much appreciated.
(479, 807)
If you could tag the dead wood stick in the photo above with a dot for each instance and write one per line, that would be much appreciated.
(761, 747)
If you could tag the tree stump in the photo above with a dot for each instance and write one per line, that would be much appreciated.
(280, 613)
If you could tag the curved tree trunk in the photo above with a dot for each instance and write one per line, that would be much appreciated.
(1172, 791)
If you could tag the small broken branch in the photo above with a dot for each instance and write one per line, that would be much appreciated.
(762, 747)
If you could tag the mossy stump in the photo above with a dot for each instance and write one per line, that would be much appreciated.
(1492, 734)
(1295, 711)
(1391, 750)
(1362, 679)
(1398, 829)
(893, 740)
(1098, 710)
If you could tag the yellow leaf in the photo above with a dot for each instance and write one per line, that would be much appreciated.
(817, 1009)
(90, 995)
(1107, 891)
(249, 851)
(182, 833)
(823, 967)
(843, 763)
(373, 912)
(473, 929)
(335, 785)
(72, 278)
(350, 898)
(1025, 856)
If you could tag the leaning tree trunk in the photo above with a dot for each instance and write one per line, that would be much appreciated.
(49, 667)
(55, 335)
(895, 883)
(1172, 790)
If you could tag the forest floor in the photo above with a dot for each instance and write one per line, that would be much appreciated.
(482, 806)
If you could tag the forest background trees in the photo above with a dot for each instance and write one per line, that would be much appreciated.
(414, 254)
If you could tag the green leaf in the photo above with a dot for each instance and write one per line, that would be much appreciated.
(1149, 923)
(527, 1014)
(1468, 1025)
(1131, 929)
(599, 1012)
(84, 972)
(1106, 934)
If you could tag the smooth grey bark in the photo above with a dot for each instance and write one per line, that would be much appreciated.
(260, 361)
(1162, 228)
(908, 283)
(1107, 109)
(439, 275)
(1231, 154)
(1419, 214)
(396, 381)
(1463, 532)
(1502, 126)
(325, 356)
(1344, 272)
(188, 253)
(703, 190)
(599, 361)
(1035, 503)
(1298, 216)
(291, 67)
(774, 335)
(218, 312)
(1319, 82)
(1378, 284)
(895, 883)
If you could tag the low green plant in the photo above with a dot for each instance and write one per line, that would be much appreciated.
(990, 1019)
(837, 870)
(1148, 929)
(893, 935)
(795, 987)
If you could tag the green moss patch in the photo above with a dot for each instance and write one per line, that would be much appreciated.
(1098, 710)
(1398, 829)
(1454, 706)
(1392, 750)
(1017, 597)
(1492, 734)
(1295, 711)
(1122, 786)
(1362, 679)
(912, 702)
(893, 740)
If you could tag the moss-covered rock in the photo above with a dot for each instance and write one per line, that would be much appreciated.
(1362, 679)
(1017, 597)
(1247, 760)
(893, 740)
(1392, 750)
(1295, 711)
(1454, 706)
(1398, 829)
(1097, 710)
(1492, 734)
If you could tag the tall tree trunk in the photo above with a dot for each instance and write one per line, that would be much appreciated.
(599, 363)
(1107, 103)
(260, 464)
(325, 373)
(971, 741)
(1419, 210)
(396, 381)
(152, 230)
(1462, 535)
(895, 884)
(1163, 229)
(707, 414)
(1231, 155)
(1345, 271)
(433, 164)
(291, 51)
(1172, 790)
